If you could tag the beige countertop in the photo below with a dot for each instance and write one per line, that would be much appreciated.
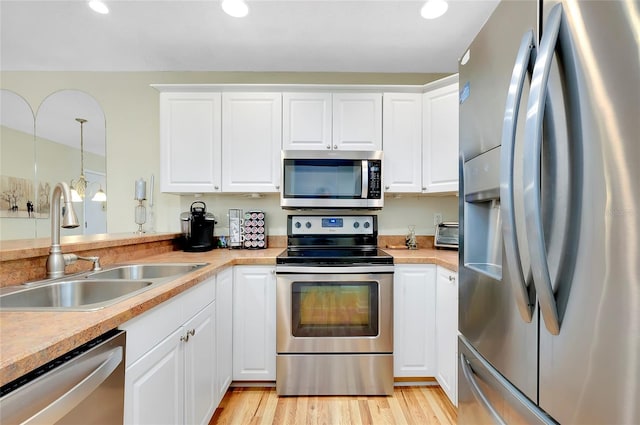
(30, 339)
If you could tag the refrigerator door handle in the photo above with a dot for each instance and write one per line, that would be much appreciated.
(477, 392)
(524, 61)
(532, 171)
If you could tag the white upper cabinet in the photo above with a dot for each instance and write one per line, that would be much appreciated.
(421, 139)
(440, 138)
(402, 135)
(306, 121)
(357, 121)
(251, 140)
(332, 121)
(190, 137)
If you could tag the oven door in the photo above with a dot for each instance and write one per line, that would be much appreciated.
(334, 312)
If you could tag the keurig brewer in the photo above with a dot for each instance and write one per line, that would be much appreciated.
(197, 228)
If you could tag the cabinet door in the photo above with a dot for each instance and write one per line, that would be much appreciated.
(224, 332)
(447, 332)
(154, 385)
(306, 121)
(200, 366)
(414, 298)
(251, 140)
(402, 136)
(357, 121)
(440, 138)
(254, 323)
(190, 140)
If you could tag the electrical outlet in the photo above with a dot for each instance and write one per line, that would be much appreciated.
(437, 218)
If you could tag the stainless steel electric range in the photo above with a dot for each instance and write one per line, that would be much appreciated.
(334, 308)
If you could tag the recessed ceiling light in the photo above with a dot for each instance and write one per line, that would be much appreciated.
(235, 8)
(434, 9)
(98, 6)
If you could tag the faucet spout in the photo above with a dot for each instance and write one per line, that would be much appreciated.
(56, 261)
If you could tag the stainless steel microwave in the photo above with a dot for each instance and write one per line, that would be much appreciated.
(331, 179)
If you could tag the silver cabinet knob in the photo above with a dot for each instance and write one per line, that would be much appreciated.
(328, 146)
(335, 146)
(216, 187)
(386, 188)
(424, 189)
(278, 186)
(452, 278)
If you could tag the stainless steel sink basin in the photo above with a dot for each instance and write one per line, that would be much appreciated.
(146, 271)
(92, 290)
(77, 294)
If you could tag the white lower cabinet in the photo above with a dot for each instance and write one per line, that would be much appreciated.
(170, 376)
(414, 306)
(224, 332)
(447, 332)
(254, 323)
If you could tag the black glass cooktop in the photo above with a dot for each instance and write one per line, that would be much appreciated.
(334, 256)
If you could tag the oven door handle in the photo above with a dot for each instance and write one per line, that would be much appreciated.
(334, 270)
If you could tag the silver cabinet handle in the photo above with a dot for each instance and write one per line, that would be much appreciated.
(524, 59)
(63, 405)
(477, 392)
(532, 169)
(185, 337)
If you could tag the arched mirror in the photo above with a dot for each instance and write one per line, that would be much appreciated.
(70, 147)
(17, 168)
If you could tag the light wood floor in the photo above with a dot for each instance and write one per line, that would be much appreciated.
(408, 405)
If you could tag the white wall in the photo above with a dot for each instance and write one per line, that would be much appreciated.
(131, 110)
(393, 219)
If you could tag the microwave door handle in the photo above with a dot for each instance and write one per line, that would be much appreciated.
(524, 59)
(532, 170)
(365, 179)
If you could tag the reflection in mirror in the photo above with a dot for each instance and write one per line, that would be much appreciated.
(17, 168)
(70, 146)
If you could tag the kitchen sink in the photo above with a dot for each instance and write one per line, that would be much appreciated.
(91, 290)
(77, 294)
(146, 271)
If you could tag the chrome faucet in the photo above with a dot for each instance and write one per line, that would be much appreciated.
(56, 260)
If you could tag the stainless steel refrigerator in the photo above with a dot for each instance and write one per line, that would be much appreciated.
(549, 302)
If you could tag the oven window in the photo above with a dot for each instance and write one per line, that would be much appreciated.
(330, 309)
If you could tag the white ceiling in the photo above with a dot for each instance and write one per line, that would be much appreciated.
(185, 35)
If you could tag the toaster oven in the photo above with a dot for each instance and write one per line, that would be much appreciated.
(446, 235)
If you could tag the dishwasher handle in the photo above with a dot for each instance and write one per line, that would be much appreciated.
(68, 401)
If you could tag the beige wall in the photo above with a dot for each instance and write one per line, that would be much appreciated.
(131, 110)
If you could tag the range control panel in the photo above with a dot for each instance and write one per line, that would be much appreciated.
(331, 225)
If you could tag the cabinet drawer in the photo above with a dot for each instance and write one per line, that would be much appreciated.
(150, 328)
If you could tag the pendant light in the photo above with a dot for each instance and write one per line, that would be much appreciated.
(79, 187)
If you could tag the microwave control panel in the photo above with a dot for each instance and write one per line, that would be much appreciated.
(375, 179)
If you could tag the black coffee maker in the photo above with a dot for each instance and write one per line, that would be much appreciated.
(197, 228)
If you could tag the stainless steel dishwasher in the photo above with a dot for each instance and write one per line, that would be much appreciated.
(84, 386)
